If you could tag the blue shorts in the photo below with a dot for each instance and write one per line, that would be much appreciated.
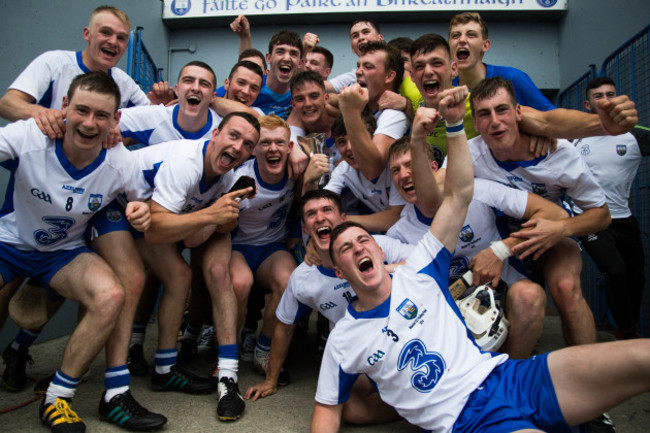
(518, 394)
(41, 265)
(256, 254)
(110, 219)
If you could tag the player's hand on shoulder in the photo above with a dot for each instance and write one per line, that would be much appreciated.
(139, 215)
(161, 93)
(618, 115)
(392, 100)
(452, 104)
(542, 145)
(50, 122)
(311, 254)
(113, 138)
(353, 97)
(261, 390)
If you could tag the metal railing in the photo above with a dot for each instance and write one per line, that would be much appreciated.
(141, 66)
(629, 67)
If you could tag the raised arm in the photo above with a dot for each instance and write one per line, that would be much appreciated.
(429, 196)
(459, 178)
(615, 116)
(370, 152)
(242, 29)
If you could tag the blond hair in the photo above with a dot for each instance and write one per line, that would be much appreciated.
(115, 11)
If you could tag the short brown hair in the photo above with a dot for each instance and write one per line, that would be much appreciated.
(402, 145)
(466, 17)
(489, 87)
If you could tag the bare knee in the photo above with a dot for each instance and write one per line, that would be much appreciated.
(107, 302)
(567, 294)
(526, 301)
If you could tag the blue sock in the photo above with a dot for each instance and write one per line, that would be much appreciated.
(263, 343)
(25, 337)
(164, 359)
(62, 386)
(116, 381)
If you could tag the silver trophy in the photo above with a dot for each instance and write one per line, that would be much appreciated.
(314, 144)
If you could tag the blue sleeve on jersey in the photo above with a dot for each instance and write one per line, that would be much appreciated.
(346, 381)
(438, 269)
(301, 312)
(140, 136)
(46, 99)
(220, 92)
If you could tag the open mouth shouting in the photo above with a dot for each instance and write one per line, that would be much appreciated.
(285, 70)
(462, 54)
(227, 160)
(86, 135)
(431, 87)
(274, 162)
(323, 233)
(365, 265)
(193, 100)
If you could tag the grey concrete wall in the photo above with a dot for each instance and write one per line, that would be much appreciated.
(592, 29)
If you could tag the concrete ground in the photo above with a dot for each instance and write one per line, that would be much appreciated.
(287, 411)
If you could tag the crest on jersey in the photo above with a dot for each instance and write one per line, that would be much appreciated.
(407, 309)
(428, 366)
(538, 188)
(94, 202)
(466, 233)
(621, 149)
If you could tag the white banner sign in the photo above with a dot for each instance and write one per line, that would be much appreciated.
(180, 9)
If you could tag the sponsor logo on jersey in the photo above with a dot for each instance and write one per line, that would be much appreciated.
(342, 285)
(327, 306)
(279, 217)
(407, 309)
(181, 7)
(42, 195)
(457, 267)
(428, 366)
(585, 150)
(538, 188)
(375, 357)
(73, 189)
(57, 230)
(94, 202)
(390, 333)
(466, 233)
(266, 206)
(513, 178)
(621, 149)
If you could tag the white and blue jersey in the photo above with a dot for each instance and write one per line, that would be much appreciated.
(318, 288)
(343, 80)
(48, 77)
(526, 91)
(48, 201)
(263, 218)
(377, 195)
(156, 124)
(551, 176)
(480, 227)
(614, 161)
(273, 103)
(416, 349)
(172, 174)
(392, 123)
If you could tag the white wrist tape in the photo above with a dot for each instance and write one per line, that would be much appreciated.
(501, 250)
(454, 129)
